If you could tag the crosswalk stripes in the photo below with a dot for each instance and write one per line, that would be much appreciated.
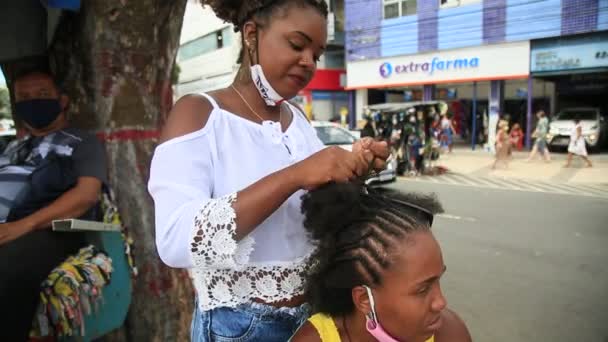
(578, 189)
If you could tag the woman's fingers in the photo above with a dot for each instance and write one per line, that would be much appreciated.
(380, 149)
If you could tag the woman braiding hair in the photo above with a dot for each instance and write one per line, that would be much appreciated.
(232, 166)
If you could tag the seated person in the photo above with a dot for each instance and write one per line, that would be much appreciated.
(66, 170)
(378, 268)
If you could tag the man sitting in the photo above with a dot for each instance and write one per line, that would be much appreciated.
(64, 171)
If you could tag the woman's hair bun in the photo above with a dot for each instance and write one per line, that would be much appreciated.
(332, 207)
(227, 10)
(234, 11)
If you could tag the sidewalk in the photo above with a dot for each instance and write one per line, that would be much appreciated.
(479, 163)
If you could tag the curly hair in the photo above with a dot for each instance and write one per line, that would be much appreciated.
(239, 12)
(355, 229)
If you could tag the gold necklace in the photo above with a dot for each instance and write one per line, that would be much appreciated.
(252, 110)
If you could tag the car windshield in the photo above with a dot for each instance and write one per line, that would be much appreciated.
(582, 114)
(330, 135)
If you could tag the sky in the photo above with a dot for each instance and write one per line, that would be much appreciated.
(2, 80)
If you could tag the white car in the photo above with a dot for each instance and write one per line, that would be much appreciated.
(592, 122)
(333, 135)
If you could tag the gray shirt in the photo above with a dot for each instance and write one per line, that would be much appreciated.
(88, 156)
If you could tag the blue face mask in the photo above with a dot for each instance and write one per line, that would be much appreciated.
(38, 113)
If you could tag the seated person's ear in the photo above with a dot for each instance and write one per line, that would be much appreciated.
(361, 300)
(64, 100)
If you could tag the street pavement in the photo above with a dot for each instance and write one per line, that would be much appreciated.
(523, 264)
(478, 163)
(518, 184)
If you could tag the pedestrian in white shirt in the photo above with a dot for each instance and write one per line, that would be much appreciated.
(577, 144)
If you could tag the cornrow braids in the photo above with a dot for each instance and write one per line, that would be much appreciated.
(355, 230)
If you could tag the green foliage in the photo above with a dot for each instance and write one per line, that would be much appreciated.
(5, 103)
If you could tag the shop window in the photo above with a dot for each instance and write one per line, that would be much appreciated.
(227, 35)
(399, 8)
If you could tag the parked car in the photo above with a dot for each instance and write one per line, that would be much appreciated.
(593, 124)
(332, 134)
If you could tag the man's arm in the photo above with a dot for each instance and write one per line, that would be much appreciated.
(73, 203)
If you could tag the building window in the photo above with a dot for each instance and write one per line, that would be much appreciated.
(205, 44)
(399, 8)
(220, 39)
(227, 35)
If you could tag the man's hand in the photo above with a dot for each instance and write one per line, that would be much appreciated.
(379, 149)
(12, 230)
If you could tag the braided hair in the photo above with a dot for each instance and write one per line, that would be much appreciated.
(355, 230)
(238, 12)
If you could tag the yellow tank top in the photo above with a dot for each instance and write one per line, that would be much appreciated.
(327, 329)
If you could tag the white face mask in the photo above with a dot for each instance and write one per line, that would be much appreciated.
(267, 92)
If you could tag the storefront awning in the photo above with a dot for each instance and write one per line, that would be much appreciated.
(569, 72)
(401, 106)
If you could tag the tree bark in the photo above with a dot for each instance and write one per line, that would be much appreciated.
(114, 59)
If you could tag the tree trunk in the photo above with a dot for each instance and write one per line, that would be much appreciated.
(114, 60)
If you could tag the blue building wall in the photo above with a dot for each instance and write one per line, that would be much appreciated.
(400, 36)
(483, 22)
(533, 19)
(602, 20)
(460, 26)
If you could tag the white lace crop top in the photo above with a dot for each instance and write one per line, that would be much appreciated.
(194, 180)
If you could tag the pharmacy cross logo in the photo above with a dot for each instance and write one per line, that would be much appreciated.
(386, 69)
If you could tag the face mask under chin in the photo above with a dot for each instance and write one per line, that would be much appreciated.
(372, 324)
(270, 96)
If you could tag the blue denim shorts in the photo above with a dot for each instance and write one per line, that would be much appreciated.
(247, 322)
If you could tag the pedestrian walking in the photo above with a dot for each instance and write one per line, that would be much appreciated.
(503, 144)
(447, 134)
(517, 137)
(577, 144)
(540, 136)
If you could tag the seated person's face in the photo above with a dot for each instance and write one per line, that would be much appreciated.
(35, 86)
(37, 101)
(409, 301)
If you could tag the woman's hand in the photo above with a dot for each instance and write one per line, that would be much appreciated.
(379, 150)
(332, 164)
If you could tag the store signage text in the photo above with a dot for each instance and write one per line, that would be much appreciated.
(569, 57)
(387, 69)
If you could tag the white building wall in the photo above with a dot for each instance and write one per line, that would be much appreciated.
(212, 70)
